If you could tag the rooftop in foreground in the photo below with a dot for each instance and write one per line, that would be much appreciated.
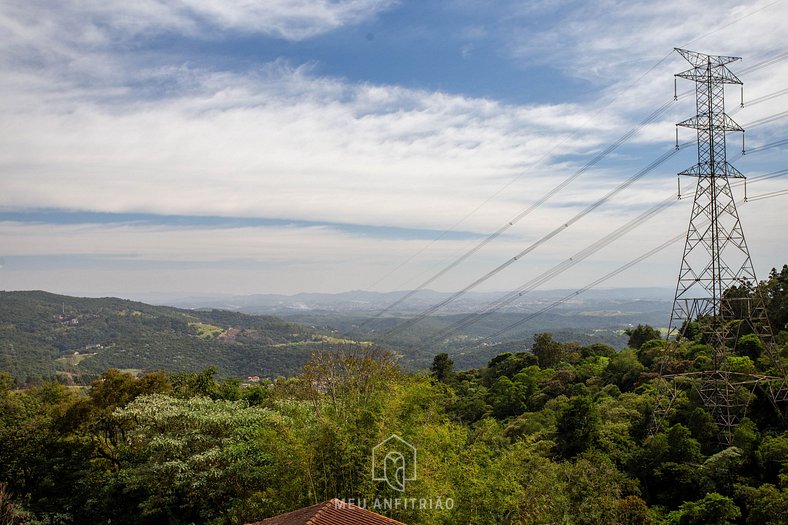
(331, 512)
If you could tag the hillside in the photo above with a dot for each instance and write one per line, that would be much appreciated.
(598, 316)
(43, 334)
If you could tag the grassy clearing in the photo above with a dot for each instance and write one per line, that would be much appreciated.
(206, 330)
(323, 339)
(72, 360)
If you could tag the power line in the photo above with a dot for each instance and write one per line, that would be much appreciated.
(767, 146)
(594, 284)
(560, 268)
(484, 242)
(766, 98)
(765, 63)
(516, 178)
(608, 276)
(542, 240)
(732, 22)
(555, 190)
(767, 120)
(755, 101)
(774, 174)
(563, 266)
(766, 176)
(583, 254)
(767, 195)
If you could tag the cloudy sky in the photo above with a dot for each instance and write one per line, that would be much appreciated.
(284, 146)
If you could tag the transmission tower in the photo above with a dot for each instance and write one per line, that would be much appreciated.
(717, 284)
(716, 259)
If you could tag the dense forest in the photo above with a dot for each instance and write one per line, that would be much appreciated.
(562, 433)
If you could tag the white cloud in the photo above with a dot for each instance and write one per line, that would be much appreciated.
(281, 144)
(98, 22)
(607, 39)
(88, 124)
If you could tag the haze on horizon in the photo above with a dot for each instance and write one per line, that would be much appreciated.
(202, 147)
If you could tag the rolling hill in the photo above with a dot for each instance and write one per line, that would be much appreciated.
(44, 334)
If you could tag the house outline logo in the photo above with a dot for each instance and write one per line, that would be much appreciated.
(394, 461)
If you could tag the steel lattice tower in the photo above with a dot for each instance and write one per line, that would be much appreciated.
(716, 258)
(717, 283)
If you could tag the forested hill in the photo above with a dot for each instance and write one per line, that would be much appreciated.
(44, 334)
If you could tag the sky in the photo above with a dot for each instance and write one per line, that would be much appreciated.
(273, 146)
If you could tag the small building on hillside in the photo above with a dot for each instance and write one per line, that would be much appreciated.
(331, 512)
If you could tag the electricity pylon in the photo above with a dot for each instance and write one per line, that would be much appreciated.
(717, 283)
(716, 260)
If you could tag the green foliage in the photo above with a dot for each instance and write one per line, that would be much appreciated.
(713, 509)
(632, 510)
(508, 398)
(750, 346)
(772, 456)
(595, 487)
(563, 435)
(577, 426)
(597, 350)
(775, 291)
(471, 403)
(640, 334)
(548, 352)
(509, 485)
(766, 505)
(192, 457)
(742, 365)
(650, 351)
(507, 364)
(442, 368)
(623, 370)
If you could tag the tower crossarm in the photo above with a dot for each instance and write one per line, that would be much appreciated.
(718, 74)
(719, 121)
(720, 170)
(699, 59)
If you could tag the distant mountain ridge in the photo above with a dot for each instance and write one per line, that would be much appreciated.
(358, 301)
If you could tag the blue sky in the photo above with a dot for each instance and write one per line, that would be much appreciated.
(216, 146)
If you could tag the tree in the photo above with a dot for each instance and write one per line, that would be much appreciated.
(577, 426)
(632, 510)
(193, 458)
(507, 364)
(640, 334)
(624, 369)
(594, 486)
(202, 384)
(597, 349)
(775, 291)
(713, 509)
(515, 484)
(772, 456)
(750, 346)
(441, 368)
(668, 467)
(548, 351)
(766, 505)
(508, 398)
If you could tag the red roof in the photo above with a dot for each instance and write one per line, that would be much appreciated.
(331, 512)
